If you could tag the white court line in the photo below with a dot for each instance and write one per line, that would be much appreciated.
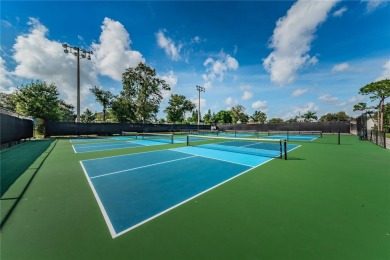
(145, 166)
(102, 209)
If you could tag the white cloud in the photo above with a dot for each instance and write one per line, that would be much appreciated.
(229, 101)
(6, 24)
(171, 80)
(169, 46)
(327, 98)
(196, 39)
(340, 12)
(113, 53)
(207, 85)
(386, 71)
(299, 92)
(259, 104)
(247, 95)
(341, 67)
(352, 101)
(292, 38)
(373, 4)
(39, 58)
(6, 84)
(217, 68)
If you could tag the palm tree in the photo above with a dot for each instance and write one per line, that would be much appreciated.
(309, 116)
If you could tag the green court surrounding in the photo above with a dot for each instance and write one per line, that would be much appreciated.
(327, 201)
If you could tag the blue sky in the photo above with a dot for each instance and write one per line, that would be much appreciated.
(280, 57)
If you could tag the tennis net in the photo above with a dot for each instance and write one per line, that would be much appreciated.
(242, 133)
(157, 137)
(313, 133)
(275, 148)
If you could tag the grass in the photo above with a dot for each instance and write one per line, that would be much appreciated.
(327, 201)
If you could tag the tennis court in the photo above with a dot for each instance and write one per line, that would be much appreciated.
(133, 189)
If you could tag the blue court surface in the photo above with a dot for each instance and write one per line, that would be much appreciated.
(133, 189)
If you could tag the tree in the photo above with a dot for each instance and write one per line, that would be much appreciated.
(208, 118)
(223, 117)
(292, 120)
(238, 114)
(122, 110)
(178, 105)
(104, 97)
(87, 116)
(259, 117)
(379, 90)
(66, 111)
(143, 90)
(275, 121)
(38, 100)
(339, 116)
(193, 119)
(310, 116)
(8, 101)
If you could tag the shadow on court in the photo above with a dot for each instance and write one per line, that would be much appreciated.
(16, 160)
(19, 165)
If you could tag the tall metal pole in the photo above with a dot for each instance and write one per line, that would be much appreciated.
(199, 89)
(80, 54)
(198, 109)
(78, 86)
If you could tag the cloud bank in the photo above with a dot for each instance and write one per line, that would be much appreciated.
(292, 38)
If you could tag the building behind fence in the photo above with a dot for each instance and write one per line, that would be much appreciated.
(14, 128)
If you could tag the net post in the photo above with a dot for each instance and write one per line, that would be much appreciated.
(285, 149)
(320, 134)
(288, 135)
(338, 137)
(188, 140)
(281, 149)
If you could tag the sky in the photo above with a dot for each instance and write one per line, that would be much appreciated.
(284, 58)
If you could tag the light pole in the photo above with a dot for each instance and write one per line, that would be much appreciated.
(80, 54)
(199, 89)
